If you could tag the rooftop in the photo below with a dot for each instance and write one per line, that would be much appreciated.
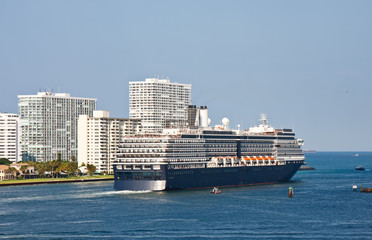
(4, 167)
(55, 95)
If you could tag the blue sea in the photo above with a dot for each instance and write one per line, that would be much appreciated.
(323, 207)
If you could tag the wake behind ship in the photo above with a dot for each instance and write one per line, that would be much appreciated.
(207, 157)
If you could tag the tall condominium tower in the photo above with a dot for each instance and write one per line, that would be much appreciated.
(9, 137)
(158, 102)
(99, 138)
(49, 124)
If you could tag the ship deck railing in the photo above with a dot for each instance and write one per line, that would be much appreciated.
(248, 163)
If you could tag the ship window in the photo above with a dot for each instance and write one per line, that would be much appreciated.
(147, 174)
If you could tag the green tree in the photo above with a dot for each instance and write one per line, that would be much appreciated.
(73, 158)
(5, 161)
(91, 169)
(59, 156)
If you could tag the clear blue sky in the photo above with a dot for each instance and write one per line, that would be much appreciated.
(307, 64)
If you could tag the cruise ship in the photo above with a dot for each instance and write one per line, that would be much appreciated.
(208, 157)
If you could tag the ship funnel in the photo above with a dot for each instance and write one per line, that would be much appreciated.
(203, 117)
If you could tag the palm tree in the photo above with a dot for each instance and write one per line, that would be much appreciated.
(91, 169)
(59, 156)
(12, 170)
(53, 165)
(41, 168)
(23, 170)
(71, 167)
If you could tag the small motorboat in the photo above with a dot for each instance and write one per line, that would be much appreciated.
(215, 190)
(355, 188)
(356, 155)
(360, 168)
(367, 190)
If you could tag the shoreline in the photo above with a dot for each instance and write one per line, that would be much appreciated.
(49, 181)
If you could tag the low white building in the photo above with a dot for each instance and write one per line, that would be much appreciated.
(99, 137)
(10, 137)
(27, 169)
(4, 174)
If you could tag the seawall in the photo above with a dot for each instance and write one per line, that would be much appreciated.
(46, 181)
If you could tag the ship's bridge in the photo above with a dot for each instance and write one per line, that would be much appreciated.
(263, 128)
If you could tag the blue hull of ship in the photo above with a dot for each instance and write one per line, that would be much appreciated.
(197, 178)
(231, 176)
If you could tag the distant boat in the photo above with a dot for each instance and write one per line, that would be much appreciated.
(360, 168)
(355, 187)
(356, 155)
(216, 190)
(306, 167)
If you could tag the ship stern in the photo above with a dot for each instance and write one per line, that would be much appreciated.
(139, 178)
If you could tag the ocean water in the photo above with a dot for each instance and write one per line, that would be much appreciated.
(323, 207)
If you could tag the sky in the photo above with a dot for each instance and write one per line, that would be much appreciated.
(306, 64)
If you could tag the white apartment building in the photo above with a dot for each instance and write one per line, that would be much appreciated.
(9, 137)
(157, 102)
(99, 137)
(49, 124)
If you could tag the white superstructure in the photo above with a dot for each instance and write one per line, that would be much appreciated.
(9, 137)
(263, 127)
(158, 101)
(99, 137)
(49, 124)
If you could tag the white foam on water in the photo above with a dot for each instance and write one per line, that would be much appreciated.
(108, 193)
(87, 221)
(54, 197)
(123, 192)
(8, 223)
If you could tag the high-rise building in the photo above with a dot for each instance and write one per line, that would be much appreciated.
(49, 124)
(158, 102)
(99, 138)
(9, 137)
